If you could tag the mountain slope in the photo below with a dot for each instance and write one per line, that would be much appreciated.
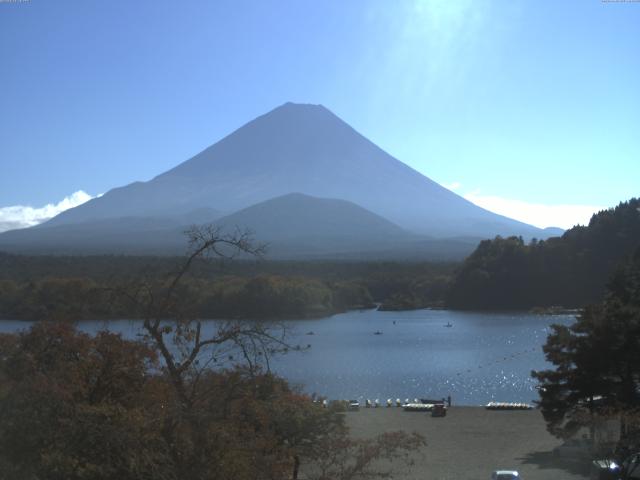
(293, 226)
(307, 149)
(127, 235)
(296, 225)
(298, 216)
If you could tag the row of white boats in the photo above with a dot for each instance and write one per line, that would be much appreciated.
(408, 405)
(423, 405)
(508, 406)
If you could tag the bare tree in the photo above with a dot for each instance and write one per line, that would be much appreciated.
(173, 329)
(189, 349)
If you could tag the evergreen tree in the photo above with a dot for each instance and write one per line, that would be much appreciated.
(569, 271)
(597, 359)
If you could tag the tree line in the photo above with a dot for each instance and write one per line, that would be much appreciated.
(228, 297)
(49, 287)
(568, 271)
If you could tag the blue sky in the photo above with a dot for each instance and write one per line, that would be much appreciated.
(521, 105)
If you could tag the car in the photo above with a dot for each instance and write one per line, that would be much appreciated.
(505, 475)
(354, 405)
(577, 448)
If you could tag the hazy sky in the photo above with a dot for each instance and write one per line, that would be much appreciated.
(532, 106)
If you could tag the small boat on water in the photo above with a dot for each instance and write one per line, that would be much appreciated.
(448, 325)
(377, 332)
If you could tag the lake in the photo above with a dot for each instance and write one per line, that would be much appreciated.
(481, 357)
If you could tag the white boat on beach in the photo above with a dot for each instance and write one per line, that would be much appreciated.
(508, 406)
(417, 407)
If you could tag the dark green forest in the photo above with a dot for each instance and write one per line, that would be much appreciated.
(569, 271)
(82, 287)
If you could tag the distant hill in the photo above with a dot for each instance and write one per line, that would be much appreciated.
(298, 216)
(569, 271)
(304, 224)
(293, 226)
(552, 232)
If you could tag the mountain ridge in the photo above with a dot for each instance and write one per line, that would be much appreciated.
(301, 148)
(294, 149)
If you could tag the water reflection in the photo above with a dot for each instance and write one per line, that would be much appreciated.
(481, 357)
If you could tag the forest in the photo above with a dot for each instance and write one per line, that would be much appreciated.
(82, 287)
(569, 271)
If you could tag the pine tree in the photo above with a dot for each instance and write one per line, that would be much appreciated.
(597, 359)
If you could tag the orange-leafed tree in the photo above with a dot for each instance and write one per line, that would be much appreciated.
(74, 406)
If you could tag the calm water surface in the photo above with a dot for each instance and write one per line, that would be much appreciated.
(481, 357)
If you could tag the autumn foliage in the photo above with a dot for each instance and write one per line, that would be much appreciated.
(74, 406)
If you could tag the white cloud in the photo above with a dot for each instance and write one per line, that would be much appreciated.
(538, 214)
(452, 186)
(22, 216)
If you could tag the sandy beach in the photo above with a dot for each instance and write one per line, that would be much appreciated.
(471, 442)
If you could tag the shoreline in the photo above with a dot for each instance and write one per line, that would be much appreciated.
(329, 314)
